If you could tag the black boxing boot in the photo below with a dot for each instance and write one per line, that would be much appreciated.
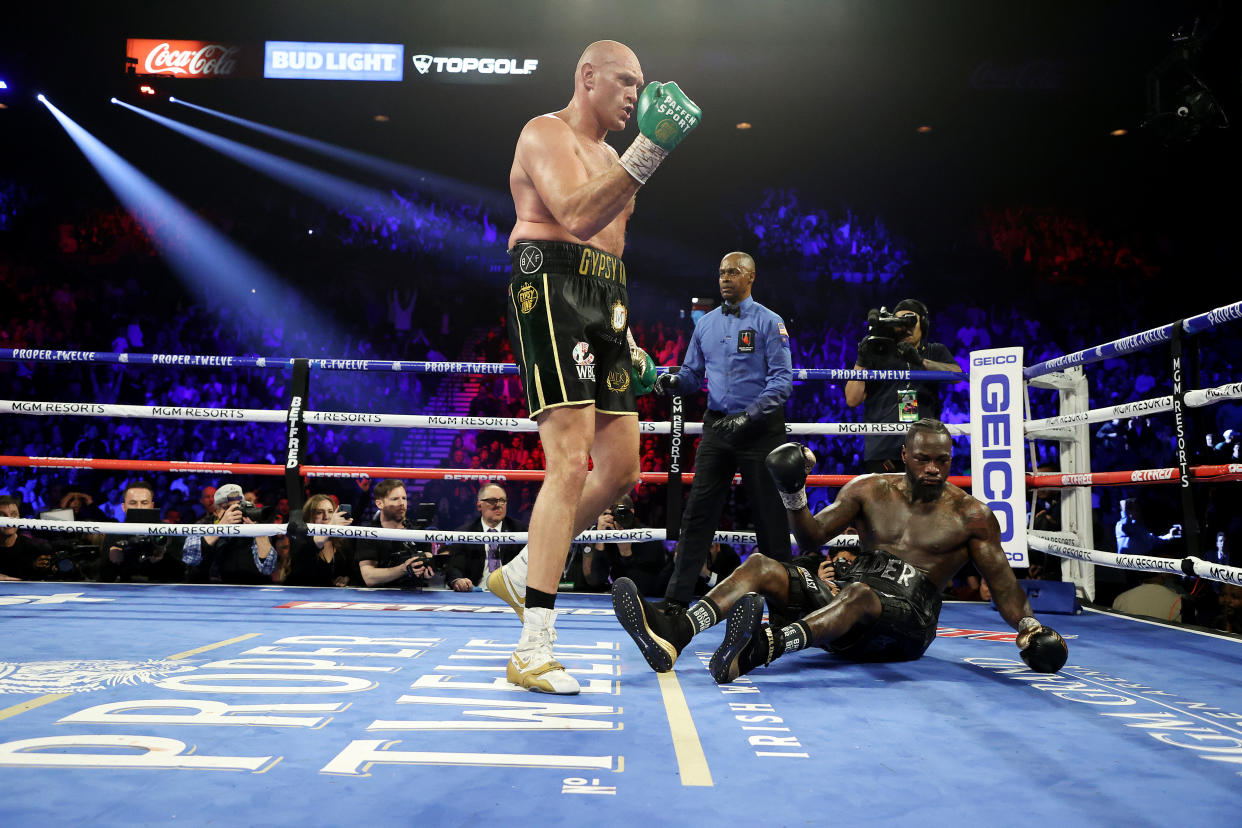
(661, 632)
(748, 642)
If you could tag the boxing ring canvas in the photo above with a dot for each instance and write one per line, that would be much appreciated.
(153, 705)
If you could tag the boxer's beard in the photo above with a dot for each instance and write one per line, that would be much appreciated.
(923, 490)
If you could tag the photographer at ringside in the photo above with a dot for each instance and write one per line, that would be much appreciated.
(897, 342)
(642, 562)
(22, 558)
(149, 558)
(404, 564)
(231, 559)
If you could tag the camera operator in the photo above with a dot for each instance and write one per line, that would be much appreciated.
(230, 560)
(642, 563)
(402, 563)
(151, 558)
(22, 558)
(897, 341)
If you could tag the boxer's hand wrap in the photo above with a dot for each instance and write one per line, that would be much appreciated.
(789, 465)
(642, 158)
(665, 117)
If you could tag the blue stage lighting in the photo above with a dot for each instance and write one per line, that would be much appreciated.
(331, 189)
(209, 264)
(429, 182)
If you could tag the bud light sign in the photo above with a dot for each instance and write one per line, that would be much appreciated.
(334, 61)
(997, 469)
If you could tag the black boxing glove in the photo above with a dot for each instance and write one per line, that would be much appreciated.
(664, 383)
(910, 354)
(733, 425)
(789, 465)
(1042, 648)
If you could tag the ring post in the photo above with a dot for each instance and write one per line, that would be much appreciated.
(299, 389)
(673, 521)
(1181, 357)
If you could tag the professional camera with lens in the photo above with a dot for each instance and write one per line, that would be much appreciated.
(142, 549)
(69, 556)
(841, 568)
(884, 331)
(257, 514)
(623, 515)
(405, 551)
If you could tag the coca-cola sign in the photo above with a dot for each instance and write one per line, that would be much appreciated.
(191, 58)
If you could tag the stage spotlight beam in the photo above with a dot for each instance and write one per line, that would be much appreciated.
(209, 264)
(330, 189)
(398, 173)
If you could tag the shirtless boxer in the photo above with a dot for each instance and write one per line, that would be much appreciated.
(568, 318)
(915, 531)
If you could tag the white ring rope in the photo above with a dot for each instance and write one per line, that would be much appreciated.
(1144, 563)
(261, 530)
(1138, 408)
(363, 418)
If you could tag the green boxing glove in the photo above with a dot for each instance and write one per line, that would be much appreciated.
(665, 117)
(642, 367)
(642, 372)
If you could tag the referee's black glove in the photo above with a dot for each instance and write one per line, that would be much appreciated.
(664, 383)
(733, 425)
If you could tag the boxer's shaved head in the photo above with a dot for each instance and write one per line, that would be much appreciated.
(603, 52)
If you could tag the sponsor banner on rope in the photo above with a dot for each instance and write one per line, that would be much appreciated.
(998, 473)
(371, 606)
(298, 60)
(192, 58)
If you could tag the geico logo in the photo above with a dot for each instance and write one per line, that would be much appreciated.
(1003, 359)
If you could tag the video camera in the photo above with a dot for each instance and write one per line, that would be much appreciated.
(68, 555)
(884, 331)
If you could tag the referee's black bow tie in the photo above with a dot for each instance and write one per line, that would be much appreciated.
(731, 310)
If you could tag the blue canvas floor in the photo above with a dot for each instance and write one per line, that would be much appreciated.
(209, 705)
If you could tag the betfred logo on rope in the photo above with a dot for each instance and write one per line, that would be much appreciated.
(998, 476)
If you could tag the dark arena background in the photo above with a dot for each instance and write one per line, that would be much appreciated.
(264, 243)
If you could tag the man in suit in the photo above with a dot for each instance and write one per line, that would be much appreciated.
(470, 563)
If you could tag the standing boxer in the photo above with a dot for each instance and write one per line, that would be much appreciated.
(568, 319)
(915, 531)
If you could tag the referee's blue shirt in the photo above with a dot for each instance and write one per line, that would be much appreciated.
(745, 360)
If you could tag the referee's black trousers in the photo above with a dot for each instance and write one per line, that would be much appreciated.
(717, 460)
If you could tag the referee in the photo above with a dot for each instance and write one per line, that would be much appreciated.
(742, 350)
